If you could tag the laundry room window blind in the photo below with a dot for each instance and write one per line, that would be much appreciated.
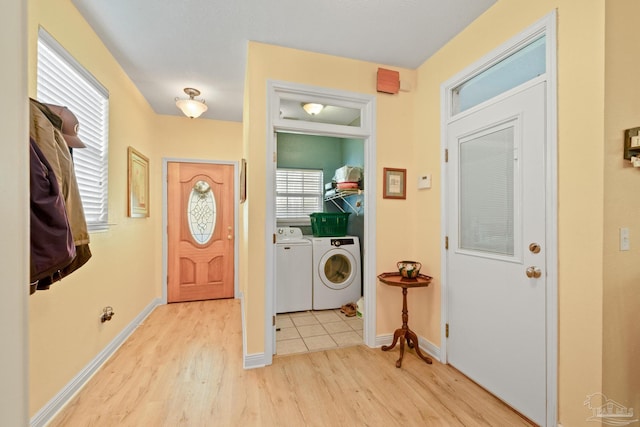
(61, 80)
(298, 193)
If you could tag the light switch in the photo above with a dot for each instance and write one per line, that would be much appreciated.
(424, 181)
(625, 243)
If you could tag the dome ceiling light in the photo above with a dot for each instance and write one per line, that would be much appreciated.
(191, 107)
(312, 108)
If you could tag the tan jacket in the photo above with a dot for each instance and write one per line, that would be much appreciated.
(53, 146)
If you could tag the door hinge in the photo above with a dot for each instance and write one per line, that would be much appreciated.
(274, 321)
(446, 330)
(275, 157)
(446, 155)
(274, 238)
(446, 242)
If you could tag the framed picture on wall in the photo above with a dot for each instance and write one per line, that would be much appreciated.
(243, 181)
(138, 184)
(394, 186)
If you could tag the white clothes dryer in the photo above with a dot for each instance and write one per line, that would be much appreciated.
(337, 277)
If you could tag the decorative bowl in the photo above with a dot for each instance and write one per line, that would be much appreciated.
(409, 269)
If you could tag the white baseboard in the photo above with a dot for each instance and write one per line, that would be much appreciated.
(425, 345)
(48, 411)
(249, 361)
(252, 361)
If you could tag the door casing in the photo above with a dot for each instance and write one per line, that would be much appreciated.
(277, 90)
(236, 198)
(547, 26)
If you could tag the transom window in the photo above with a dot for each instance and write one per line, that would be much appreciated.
(299, 193)
(523, 65)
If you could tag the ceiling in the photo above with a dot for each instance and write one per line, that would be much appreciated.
(167, 45)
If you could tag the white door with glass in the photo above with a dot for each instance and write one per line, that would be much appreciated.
(496, 256)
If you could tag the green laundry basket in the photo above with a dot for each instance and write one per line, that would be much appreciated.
(329, 224)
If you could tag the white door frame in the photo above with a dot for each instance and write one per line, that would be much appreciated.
(547, 26)
(236, 209)
(276, 91)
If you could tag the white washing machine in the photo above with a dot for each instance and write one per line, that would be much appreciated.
(337, 277)
(294, 284)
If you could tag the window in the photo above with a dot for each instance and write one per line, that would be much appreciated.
(525, 64)
(61, 80)
(298, 194)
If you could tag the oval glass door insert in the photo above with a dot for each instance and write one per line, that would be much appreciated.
(201, 211)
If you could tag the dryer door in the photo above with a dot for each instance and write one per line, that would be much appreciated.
(337, 269)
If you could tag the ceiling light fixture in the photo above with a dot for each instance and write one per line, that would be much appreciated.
(191, 107)
(312, 108)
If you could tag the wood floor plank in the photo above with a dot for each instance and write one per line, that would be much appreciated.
(183, 367)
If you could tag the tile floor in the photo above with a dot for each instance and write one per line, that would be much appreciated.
(306, 331)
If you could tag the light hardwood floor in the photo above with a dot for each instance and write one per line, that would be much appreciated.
(183, 367)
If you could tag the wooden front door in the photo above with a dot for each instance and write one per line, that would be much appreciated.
(200, 228)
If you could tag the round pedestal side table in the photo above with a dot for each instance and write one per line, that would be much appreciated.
(404, 333)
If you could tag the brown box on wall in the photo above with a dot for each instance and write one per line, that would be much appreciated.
(388, 81)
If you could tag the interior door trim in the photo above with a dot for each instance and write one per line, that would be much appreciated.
(277, 90)
(547, 25)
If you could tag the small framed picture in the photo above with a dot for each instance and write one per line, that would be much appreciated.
(138, 184)
(394, 183)
(243, 181)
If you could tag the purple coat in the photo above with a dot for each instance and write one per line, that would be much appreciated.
(52, 246)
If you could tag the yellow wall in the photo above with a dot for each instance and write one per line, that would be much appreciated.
(125, 271)
(621, 334)
(580, 164)
(394, 119)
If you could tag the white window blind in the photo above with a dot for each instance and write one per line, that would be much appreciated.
(487, 214)
(61, 80)
(298, 193)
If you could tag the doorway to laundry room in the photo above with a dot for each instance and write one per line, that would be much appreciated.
(345, 116)
(319, 208)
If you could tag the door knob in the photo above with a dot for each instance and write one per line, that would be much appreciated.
(534, 272)
(534, 248)
(229, 237)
